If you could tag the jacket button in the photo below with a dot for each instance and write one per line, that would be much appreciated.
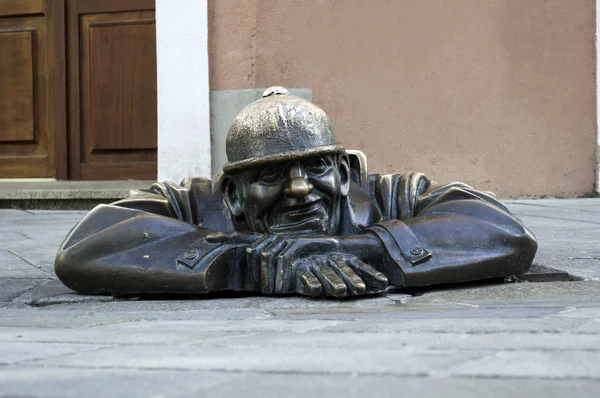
(416, 251)
(190, 254)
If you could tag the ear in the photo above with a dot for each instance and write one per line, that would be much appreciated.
(232, 199)
(344, 169)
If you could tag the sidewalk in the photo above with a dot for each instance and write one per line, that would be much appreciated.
(523, 339)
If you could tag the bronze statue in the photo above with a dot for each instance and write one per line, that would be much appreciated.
(293, 212)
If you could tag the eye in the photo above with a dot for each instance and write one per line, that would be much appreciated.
(270, 175)
(316, 166)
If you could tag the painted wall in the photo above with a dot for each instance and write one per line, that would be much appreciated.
(597, 96)
(499, 94)
(183, 92)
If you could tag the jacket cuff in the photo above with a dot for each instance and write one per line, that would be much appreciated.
(402, 245)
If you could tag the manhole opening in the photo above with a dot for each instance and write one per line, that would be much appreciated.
(541, 273)
(537, 273)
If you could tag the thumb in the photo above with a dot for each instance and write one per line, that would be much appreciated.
(229, 237)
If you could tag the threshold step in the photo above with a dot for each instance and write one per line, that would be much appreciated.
(55, 195)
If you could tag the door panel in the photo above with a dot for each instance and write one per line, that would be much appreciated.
(27, 125)
(17, 100)
(112, 83)
(21, 7)
(121, 94)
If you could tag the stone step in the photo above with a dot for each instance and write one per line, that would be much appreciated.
(55, 195)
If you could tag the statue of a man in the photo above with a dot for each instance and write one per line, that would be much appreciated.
(293, 213)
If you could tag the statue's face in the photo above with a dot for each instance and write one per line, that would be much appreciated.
(300, 197)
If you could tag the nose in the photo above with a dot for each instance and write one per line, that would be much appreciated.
(298, 186)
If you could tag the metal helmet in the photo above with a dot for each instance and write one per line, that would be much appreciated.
(278, 127)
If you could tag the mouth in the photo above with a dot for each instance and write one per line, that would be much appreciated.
(307, 217)
(302, 210)
(309, 224)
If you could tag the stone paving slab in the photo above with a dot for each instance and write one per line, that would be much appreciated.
(425, 340)
(302, 386)
(12, 216)
(11, 288)
(110, 383)
(52, 383)
(242, 326)
(109, 336)
(17, 318)
(225, 308)
(523, 339)
(552, 213)
(303, 359)
(458, 325)
(592, 327)
(459, 346)
(40, 256)
(14, 266)
(12, 237)
(568, 233)
(23, 352)
(555, 365)
(580, 204)
(425, 343)
(52, 291)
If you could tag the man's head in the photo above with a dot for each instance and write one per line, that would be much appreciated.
(286, 173)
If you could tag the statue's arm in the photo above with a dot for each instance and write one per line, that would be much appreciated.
(449, 234)
(146, 244)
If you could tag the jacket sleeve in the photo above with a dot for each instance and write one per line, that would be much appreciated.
(451, 233)
(151, 242)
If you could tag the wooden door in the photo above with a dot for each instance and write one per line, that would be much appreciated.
(32, 89)
(112, 89)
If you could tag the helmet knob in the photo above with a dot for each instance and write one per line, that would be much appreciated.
(275, 90)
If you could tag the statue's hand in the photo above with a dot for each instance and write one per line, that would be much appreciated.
(336, 275)
(311, 266)
(271, 258)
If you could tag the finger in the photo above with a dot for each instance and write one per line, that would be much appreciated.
(308, 285)
(267, 266)
(277, 269)
(253, 261)
(332, 284)
(355, 285)
(283, 277)
(263, 258)
(375, 280)
(220, 237)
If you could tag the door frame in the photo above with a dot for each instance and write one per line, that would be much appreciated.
(55, 14)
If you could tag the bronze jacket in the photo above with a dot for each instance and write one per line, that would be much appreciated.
(156, 238)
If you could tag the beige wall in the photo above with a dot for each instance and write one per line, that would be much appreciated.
(496, 93)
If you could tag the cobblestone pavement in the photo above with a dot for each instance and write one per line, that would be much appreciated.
(523, 339)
